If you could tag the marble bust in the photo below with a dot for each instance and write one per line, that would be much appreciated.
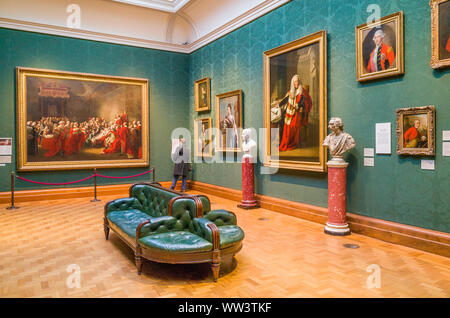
(338, 141)
(248, 144)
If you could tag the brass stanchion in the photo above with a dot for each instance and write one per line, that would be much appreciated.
(12, 207)
(95, 187)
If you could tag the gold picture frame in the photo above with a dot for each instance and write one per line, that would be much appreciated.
(416, 131)
(303, 61)
(440, 34)
(203, 94)
(229, 139)
(203, 144)
(47, 98)
(388, 35)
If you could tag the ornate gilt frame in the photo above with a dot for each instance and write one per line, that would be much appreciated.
(225, 95)
(435, 62)
(24, 165)
(196, 136)
(400, 67)
(321, 38)
(430, 111)
(207, 80)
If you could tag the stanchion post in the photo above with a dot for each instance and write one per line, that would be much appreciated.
(95, 186)
(13, 177)
(153, 174)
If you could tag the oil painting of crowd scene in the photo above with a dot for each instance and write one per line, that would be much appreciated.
(76, 120)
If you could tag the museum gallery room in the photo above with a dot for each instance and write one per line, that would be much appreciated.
(225, 149)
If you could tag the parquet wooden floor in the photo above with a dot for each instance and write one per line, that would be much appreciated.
(283, 256)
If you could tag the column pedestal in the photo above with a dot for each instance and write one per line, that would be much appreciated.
(337, 198)
(248, 185)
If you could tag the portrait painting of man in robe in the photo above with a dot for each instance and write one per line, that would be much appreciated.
(295, 103)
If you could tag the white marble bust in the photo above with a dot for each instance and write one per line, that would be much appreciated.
(248, 144)
(338, 141)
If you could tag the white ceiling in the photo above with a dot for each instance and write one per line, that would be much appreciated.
(163, 5)
(174, 25)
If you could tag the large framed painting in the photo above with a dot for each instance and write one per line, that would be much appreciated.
(379, 48)
(71, 120)
(229, 121)
(203, 137)
(416, 131)
(440, 33)
(295, 104)
(202, 94)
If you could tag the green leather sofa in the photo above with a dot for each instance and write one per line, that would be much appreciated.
(170, 227)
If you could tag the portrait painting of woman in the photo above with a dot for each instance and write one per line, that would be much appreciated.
(229, 121)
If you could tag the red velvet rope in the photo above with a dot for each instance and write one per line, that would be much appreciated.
(46, 183)
(127, 177)
(87, 178)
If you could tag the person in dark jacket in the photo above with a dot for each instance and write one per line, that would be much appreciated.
(181, 157)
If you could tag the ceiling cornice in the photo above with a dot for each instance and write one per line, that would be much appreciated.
(234, 24)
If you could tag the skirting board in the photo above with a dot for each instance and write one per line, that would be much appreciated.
(419, 238)
(406, 235)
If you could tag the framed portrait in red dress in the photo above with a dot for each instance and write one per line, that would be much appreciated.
(69, 120)
(416, 131)
(295, 104)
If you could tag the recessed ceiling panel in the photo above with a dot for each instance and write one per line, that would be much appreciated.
(163, 5)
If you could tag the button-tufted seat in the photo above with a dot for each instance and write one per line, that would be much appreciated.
(167, 226)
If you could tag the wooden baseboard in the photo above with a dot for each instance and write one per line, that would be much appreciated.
(406, 235)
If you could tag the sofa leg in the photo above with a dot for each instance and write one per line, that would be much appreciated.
(138, 260)
(215, 270)
(106, 228)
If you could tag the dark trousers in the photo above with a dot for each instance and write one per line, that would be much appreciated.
(183, 183)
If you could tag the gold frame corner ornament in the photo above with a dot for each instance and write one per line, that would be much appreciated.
(430, 111)
(207, 80)
(435, 62)
(217, 123)
(399, 70)
(21, 108)
(320, 166)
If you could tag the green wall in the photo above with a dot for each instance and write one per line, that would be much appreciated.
(396, 189)
(167, 73)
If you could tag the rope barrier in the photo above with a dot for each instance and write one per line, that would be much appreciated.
(95, 175)
(48, 183)
(127, 177)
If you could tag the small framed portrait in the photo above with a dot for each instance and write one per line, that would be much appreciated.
(202, 95)
(440, 33)
(229, 121)
(416, 131)
(203, 137)
(379, 48)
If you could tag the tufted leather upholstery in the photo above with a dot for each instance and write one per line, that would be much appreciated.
(180, 232)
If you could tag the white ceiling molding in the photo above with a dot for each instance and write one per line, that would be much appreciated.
(171, 6)
(236, 23)
(89, 35)
(208, 32)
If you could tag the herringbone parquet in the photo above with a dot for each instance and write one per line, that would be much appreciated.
(282, 256)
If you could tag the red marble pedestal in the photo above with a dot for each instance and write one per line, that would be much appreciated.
(337, 198)
(248, 185)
